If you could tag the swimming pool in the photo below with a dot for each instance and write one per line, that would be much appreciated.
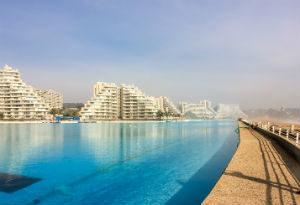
(116, 163)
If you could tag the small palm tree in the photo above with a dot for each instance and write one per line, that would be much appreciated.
(55, 111)
(1, 116)
(159, 114)
(168, 114)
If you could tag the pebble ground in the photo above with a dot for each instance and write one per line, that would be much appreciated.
(260, 172)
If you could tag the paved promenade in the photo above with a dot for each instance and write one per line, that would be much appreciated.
(259, 173)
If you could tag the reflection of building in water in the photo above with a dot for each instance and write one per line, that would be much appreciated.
(123, 141)
(95, 139)
(21, 143)
(111, 143)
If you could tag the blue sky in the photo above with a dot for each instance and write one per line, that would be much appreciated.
(231, 51)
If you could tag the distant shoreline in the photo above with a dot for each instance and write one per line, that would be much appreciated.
(22, 122)
(112, 121)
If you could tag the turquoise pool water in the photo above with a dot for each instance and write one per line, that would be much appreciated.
(116, 163)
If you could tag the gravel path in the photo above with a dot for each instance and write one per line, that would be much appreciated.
(259, 173)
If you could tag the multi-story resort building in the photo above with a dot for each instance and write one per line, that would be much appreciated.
(204, 110)
(167, 106)
(135, 105)
(126, 102)
(201, 110)
(19, 101)
(52, 98)
(104, 105)
(225, 111)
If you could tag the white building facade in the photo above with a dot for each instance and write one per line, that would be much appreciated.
(135, 105)
(52, 98)
(229, 111)
(201, 110)
(167, 106)
(104, 105)
(111, 102)
(19, 101)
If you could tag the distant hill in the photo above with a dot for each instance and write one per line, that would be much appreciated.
(73, 105)
(283, 114)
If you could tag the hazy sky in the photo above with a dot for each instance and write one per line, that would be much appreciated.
(231, 51)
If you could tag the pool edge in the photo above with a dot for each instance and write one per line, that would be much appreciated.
(229, 161)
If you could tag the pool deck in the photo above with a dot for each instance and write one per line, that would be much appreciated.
(260, 172)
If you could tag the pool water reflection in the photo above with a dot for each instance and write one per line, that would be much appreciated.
(116, 163)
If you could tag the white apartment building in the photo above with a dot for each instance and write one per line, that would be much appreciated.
(201, 110)
(126, 102)
(229, 111)
(135, 105)
(52, 98)
(166, 105)
(104, 105)
(19, 101)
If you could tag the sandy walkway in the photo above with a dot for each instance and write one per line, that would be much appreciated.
(259, 173)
